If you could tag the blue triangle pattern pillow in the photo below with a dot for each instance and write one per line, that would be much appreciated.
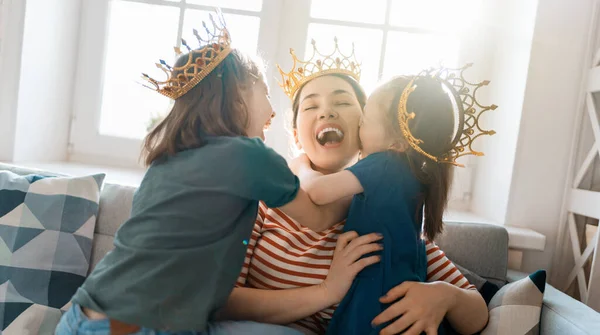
(46, 233)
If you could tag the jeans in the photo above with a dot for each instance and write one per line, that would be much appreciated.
(74, 322)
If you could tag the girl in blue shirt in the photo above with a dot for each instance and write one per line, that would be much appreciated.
(410, 135)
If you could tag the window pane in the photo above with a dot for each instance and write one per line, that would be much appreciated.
(372, 11)
(408, 53)
(367, 43)
(244, 29)
(135, 44)
(434, 14)
(255, 5)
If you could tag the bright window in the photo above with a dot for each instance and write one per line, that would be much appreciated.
(127, 107)
(408, 53)
(120, 39)
(253, 5)
(363, 38)
(392, 36)
(372, 11)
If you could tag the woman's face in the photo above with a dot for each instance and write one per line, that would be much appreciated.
(327, 124)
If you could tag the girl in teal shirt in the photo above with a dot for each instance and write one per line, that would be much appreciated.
(177, 258)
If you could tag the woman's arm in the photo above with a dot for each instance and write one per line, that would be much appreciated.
(270, 306)
(290, 305)
(276, 306)
(469, 313)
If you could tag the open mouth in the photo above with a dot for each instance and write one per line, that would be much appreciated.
(268, 124)
(269, 121)
(330, 136)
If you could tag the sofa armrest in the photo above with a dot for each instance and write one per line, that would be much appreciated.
(562, 314)
(23, 171)
(481, 248)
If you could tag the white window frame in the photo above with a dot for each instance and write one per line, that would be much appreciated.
(386, 27)
(283, 25)
(86, 143)
(2, 28)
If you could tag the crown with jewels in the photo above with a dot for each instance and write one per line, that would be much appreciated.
(215, 46)
(318, 65)
(469, 111)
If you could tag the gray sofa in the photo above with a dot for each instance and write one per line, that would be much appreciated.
(481, 248)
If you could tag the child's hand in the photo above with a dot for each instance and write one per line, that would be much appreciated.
(300, 163)
(347, 263)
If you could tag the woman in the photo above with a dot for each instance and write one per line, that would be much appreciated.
(296, 276)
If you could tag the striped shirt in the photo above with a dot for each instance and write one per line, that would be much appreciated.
(282, 254)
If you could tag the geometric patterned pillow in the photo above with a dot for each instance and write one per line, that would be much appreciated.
(516, 308)
(46, 232)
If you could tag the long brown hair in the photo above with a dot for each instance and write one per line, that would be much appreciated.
(215, 106)
(361, 96)
(434, 125)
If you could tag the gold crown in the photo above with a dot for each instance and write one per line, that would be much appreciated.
(201, 62)
(469, 112)
(318, 65)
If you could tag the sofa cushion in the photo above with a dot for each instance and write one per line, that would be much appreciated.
(517, 307)
(46, 233)
(481, 248)
(115, 208)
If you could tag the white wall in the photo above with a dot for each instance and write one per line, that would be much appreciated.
(48, 62)
(536, 68)
(547, 124)
(510, 26)
(12, 21)
(279, 136)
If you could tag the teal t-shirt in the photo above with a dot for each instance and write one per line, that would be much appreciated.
(177, 258)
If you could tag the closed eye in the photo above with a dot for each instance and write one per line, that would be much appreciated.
(310, 108)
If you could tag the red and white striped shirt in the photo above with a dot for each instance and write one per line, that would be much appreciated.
(282, 254)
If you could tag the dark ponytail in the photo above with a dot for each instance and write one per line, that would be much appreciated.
(434, 125)
(437, 179)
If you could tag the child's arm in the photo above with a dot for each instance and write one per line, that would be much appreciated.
(325, 189)
(265, 175)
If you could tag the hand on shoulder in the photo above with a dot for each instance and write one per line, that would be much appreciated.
(300, 163)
